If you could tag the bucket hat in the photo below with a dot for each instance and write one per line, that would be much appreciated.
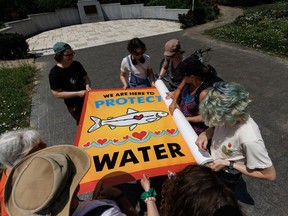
(172, 47)
(43, 183)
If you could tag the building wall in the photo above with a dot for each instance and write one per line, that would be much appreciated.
(37, 23)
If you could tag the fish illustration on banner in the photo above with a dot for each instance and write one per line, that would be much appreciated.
(131, 119)
(128, 133)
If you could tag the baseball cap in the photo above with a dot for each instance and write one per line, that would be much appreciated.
(60, 46)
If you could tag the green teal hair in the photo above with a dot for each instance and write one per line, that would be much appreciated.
(225, 104)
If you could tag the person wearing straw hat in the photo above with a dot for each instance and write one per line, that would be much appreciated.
(47, 182)
(173, 57)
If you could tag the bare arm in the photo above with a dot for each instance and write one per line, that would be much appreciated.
(176, 95)
(267, 173)
(151, 76)
(123, 79)
(163, 68)
(87, 82)
(203, 138)
(196, 119)
(151, 204)
(65, 94)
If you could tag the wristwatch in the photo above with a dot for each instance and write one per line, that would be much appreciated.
(231, 164)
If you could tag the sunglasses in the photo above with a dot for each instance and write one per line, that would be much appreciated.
(69, 54)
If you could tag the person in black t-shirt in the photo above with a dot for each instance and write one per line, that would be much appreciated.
(69, 80)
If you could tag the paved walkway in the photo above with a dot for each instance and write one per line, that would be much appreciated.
(264, 76)
(100, 33)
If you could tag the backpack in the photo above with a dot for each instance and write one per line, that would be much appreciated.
(207, 84)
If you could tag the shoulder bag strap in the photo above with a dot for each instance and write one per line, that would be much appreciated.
(129, 63)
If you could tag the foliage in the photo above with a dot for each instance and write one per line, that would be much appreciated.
(17, 9)
(13, 46)
(2, 25)
(244, 2)
(262, 27)
(171, 3)
(15, 95)
(204, 11)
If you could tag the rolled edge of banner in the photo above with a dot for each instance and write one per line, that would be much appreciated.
(186, 130)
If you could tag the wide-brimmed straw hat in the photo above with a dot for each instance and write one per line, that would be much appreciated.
(43, 183)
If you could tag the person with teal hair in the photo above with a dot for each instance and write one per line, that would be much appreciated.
(237, 146)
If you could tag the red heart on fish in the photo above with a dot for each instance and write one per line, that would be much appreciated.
(115, 140)
(126, 137)
(87, 144)
(139, 135)
(171, 131)
(157, 132)
(101, 141)
(138, 117)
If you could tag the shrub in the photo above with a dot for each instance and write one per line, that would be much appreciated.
(244, 2)
(204, 11)
(13, 46)
(262, 27)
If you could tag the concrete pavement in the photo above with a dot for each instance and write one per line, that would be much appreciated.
(264, 76)
(100, 33)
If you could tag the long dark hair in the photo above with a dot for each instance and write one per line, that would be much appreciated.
(197, 191)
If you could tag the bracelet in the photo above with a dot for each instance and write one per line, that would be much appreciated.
(150, 193)
(231, 165)
(150, 199)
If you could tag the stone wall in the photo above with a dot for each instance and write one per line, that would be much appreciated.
(37, 23)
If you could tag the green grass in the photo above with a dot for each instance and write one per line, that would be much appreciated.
(15, 96)
(263, 27)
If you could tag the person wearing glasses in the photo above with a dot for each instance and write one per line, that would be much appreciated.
(69, 80)
(173, 57)
(137, 65)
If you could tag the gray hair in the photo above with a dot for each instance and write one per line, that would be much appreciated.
(14, 145)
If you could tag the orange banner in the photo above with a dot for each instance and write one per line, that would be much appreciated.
(128, 133)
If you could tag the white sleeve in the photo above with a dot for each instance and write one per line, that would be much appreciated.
(124, 65)
(253, 146)
(256, 155)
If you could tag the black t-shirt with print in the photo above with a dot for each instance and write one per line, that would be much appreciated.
(68, 79)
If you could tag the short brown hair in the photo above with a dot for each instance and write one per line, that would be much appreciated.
(134, 44)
